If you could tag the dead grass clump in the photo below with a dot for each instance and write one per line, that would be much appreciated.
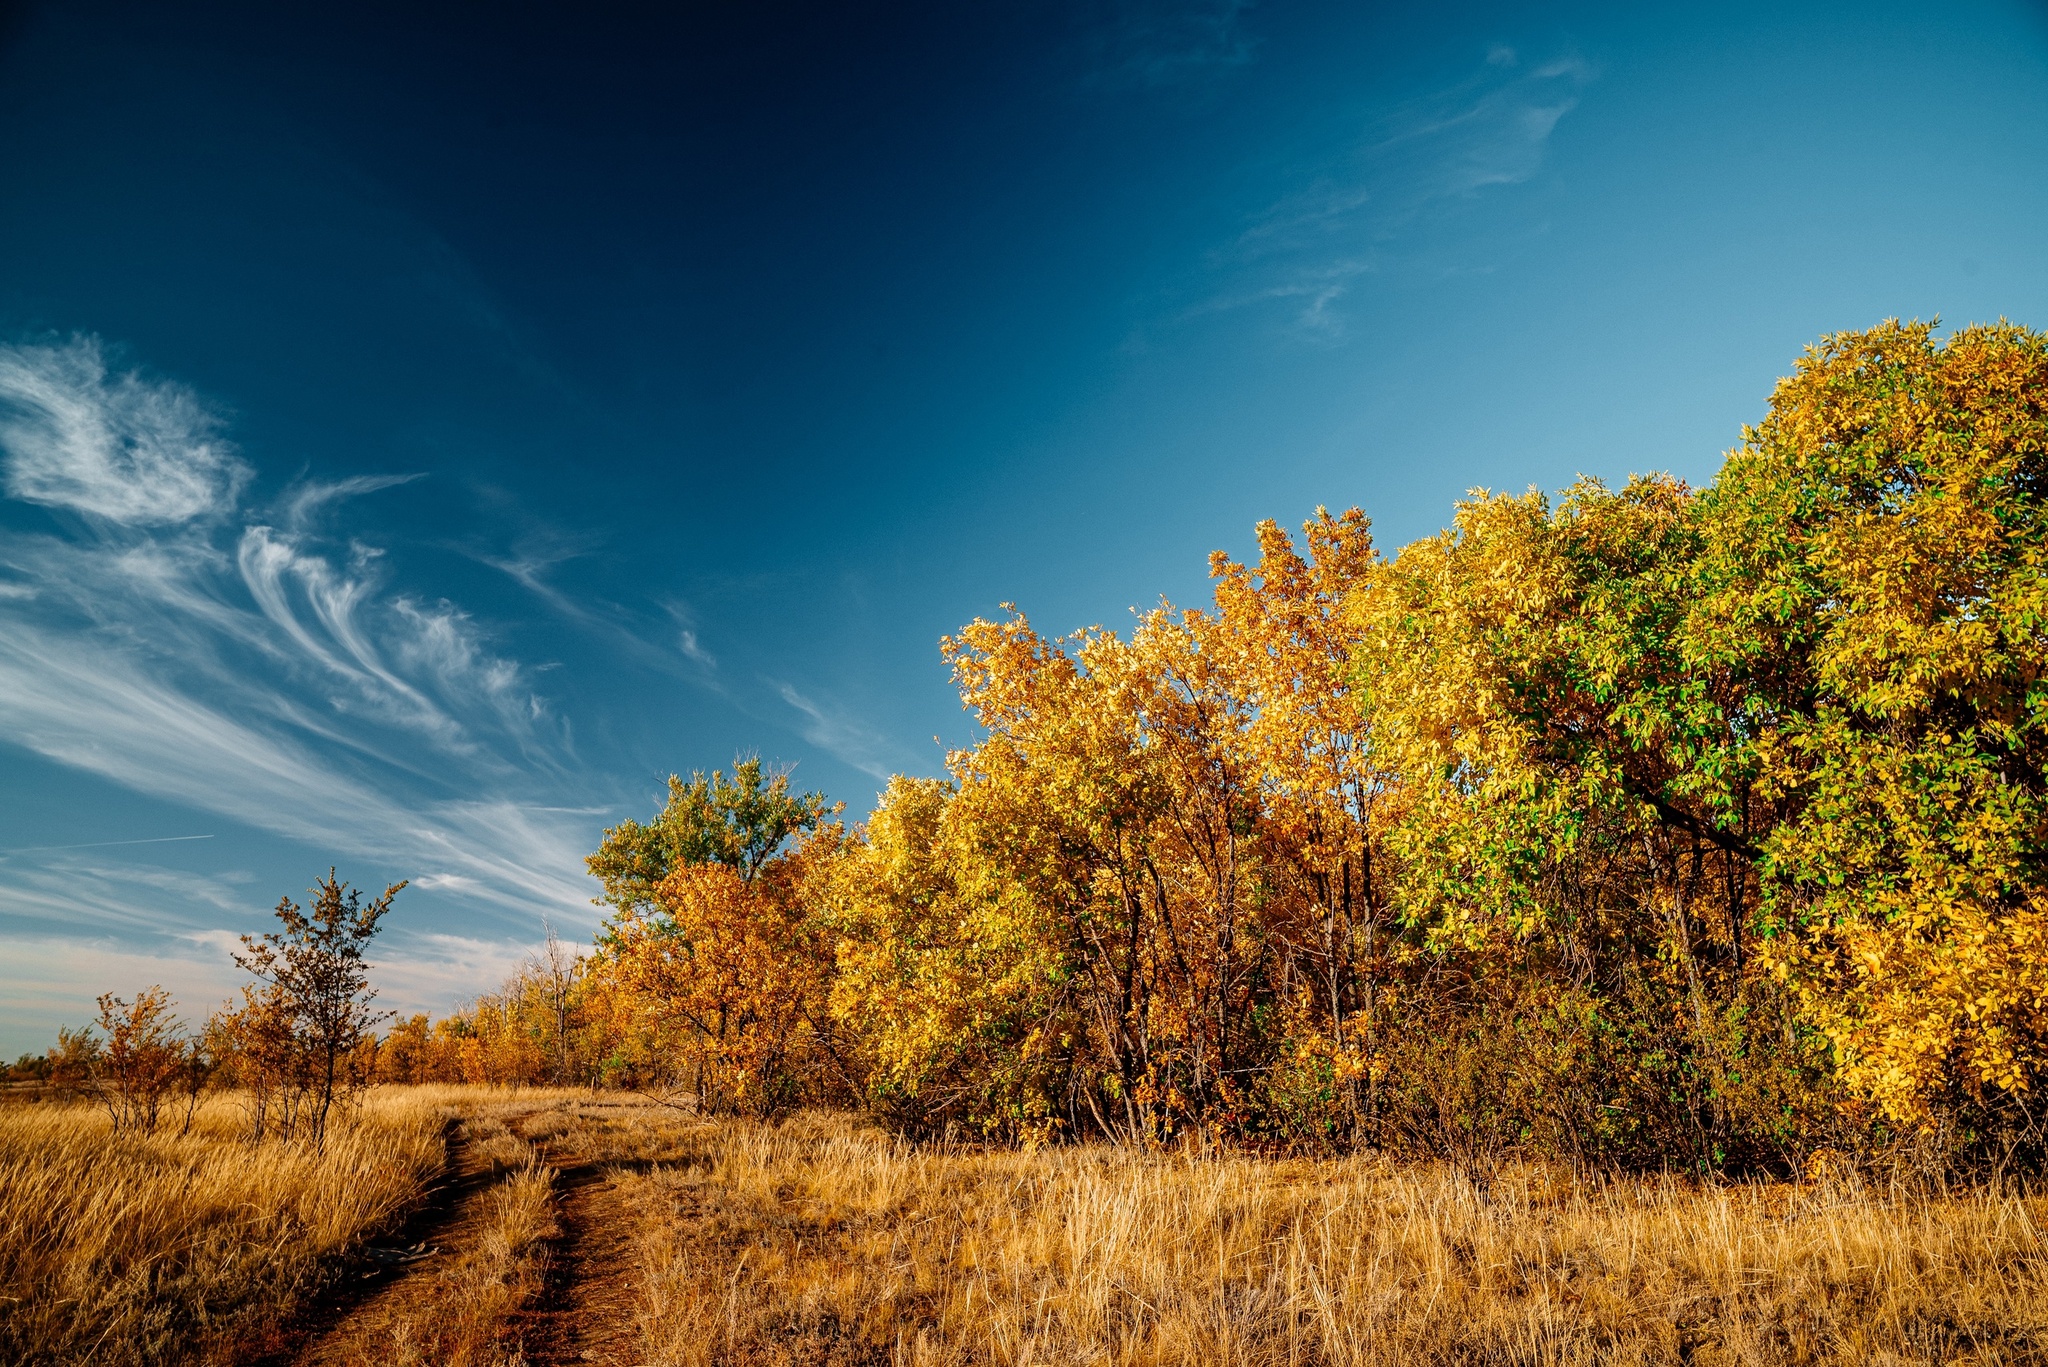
(126, 1247)
(819, 1242)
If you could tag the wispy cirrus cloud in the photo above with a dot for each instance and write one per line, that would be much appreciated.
(681, 654)
(305, 500)
(844, 736)
(686, 637)
(117, 447)
(1382, 203)
(254, 668)
(83, 706)
(684, 620)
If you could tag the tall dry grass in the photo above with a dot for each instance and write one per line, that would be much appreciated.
(125, 1248)
(817, 1242)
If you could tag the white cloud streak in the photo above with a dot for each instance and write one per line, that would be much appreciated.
(116, 447)
(302, 504)
(80, 706)
(846, 738)
(256, 672)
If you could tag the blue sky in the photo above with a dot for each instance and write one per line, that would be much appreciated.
(422, 431)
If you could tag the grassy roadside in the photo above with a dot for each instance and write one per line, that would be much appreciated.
(121, 1248)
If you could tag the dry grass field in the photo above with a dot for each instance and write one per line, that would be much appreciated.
(814, 1242)
(197, 1247)
(566, 1227)
(115, 1246)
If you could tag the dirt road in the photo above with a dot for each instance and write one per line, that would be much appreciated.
(522, 1254)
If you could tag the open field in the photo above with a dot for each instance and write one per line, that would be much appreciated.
(568, 1227)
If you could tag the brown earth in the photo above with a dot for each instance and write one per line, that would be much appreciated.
(586, 1310)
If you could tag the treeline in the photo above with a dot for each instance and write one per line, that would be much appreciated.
(1654, 826)
(534, 1031)
(303, 1040)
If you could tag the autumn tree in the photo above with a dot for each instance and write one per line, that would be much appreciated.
(314, 1008)
(406, 1053)
(552, 974)
(131, 1060)
(1284, 642)
(1185, 820)
(713, 963)
(1876, 563)
(256, 1046)
(1574, 845)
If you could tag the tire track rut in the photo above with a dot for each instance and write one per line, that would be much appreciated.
(586, 1312)
(444, 1307)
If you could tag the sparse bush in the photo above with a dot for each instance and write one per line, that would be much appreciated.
(129, 1062)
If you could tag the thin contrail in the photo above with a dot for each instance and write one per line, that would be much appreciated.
(101, 844)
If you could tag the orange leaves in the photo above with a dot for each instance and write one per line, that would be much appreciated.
(735, 971)
(136, 1059)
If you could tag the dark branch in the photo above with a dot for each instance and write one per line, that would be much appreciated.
(1685, 820)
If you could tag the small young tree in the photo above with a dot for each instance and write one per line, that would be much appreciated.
(316, 969)
(256, 1046)
(71, 1060)
(142, 1059)
(128, 1060)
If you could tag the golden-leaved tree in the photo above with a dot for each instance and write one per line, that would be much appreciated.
(713, 972)
(1874, 564)
(1148, 900)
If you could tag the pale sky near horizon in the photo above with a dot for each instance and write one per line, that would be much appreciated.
(423, 428)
